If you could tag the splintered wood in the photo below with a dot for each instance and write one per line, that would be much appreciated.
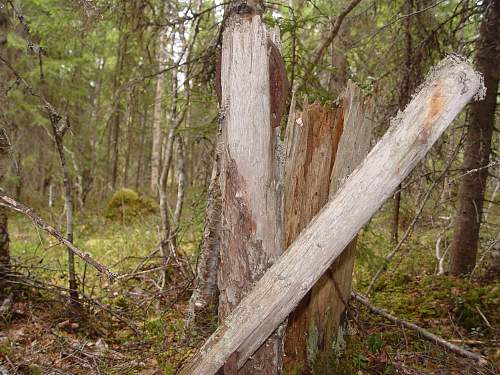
(250, 237)
(451, 85)
(324, 145)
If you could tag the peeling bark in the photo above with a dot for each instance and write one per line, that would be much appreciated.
(250, 238)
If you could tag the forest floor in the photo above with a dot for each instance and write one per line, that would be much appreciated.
(132, 326)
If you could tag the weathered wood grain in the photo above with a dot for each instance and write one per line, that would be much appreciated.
(326, 306)
(312, 137)
(250, 238)
(324, 144)
(445, 93)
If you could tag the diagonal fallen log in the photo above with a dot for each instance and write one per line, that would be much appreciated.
(446, 91)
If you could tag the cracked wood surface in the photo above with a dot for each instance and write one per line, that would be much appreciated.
(250, 237)
(412, 133)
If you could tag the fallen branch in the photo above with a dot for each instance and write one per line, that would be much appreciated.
(14, 205)
(421, 331)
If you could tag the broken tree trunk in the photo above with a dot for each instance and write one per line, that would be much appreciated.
(445, 93)
(311, 144)
(250, 238)
(323, 148)
(326, 306)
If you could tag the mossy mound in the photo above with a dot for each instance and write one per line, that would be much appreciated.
(127, 205)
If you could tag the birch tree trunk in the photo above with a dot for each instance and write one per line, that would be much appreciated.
(167, 162)
(444, 94)
(251, 237)
(180, 161)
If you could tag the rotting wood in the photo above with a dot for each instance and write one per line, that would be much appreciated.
(311, 139)
(452, 84)
(325, 307)
(323, 148)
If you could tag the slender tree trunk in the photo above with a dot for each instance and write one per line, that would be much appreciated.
(140, 160)
(4, 230)
(118, 107)
(166, 227)
(68, 207)
(158, 113)
(4, 159)
(477, 146)
(115, 136)
(206, 292)
(180, 162)
(129, 116)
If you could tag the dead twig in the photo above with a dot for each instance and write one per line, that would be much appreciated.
(421, 331)
(16, 206)
(410, 228)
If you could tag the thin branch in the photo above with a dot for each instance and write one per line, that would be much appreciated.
(395, 20)
(409, 230)
(54, 116)
(421, 331)
(14, 205)
(328, 40)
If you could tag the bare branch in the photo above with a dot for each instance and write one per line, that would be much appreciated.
(421, 331)
(328, 40)
(14, 205)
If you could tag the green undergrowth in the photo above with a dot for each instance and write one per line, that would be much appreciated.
(118, 244)
(409, 289)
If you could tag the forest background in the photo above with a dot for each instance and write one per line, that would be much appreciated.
(135, 124)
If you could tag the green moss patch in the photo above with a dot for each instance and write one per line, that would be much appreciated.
(126, 205)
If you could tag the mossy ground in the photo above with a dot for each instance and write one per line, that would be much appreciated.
(132, 327)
